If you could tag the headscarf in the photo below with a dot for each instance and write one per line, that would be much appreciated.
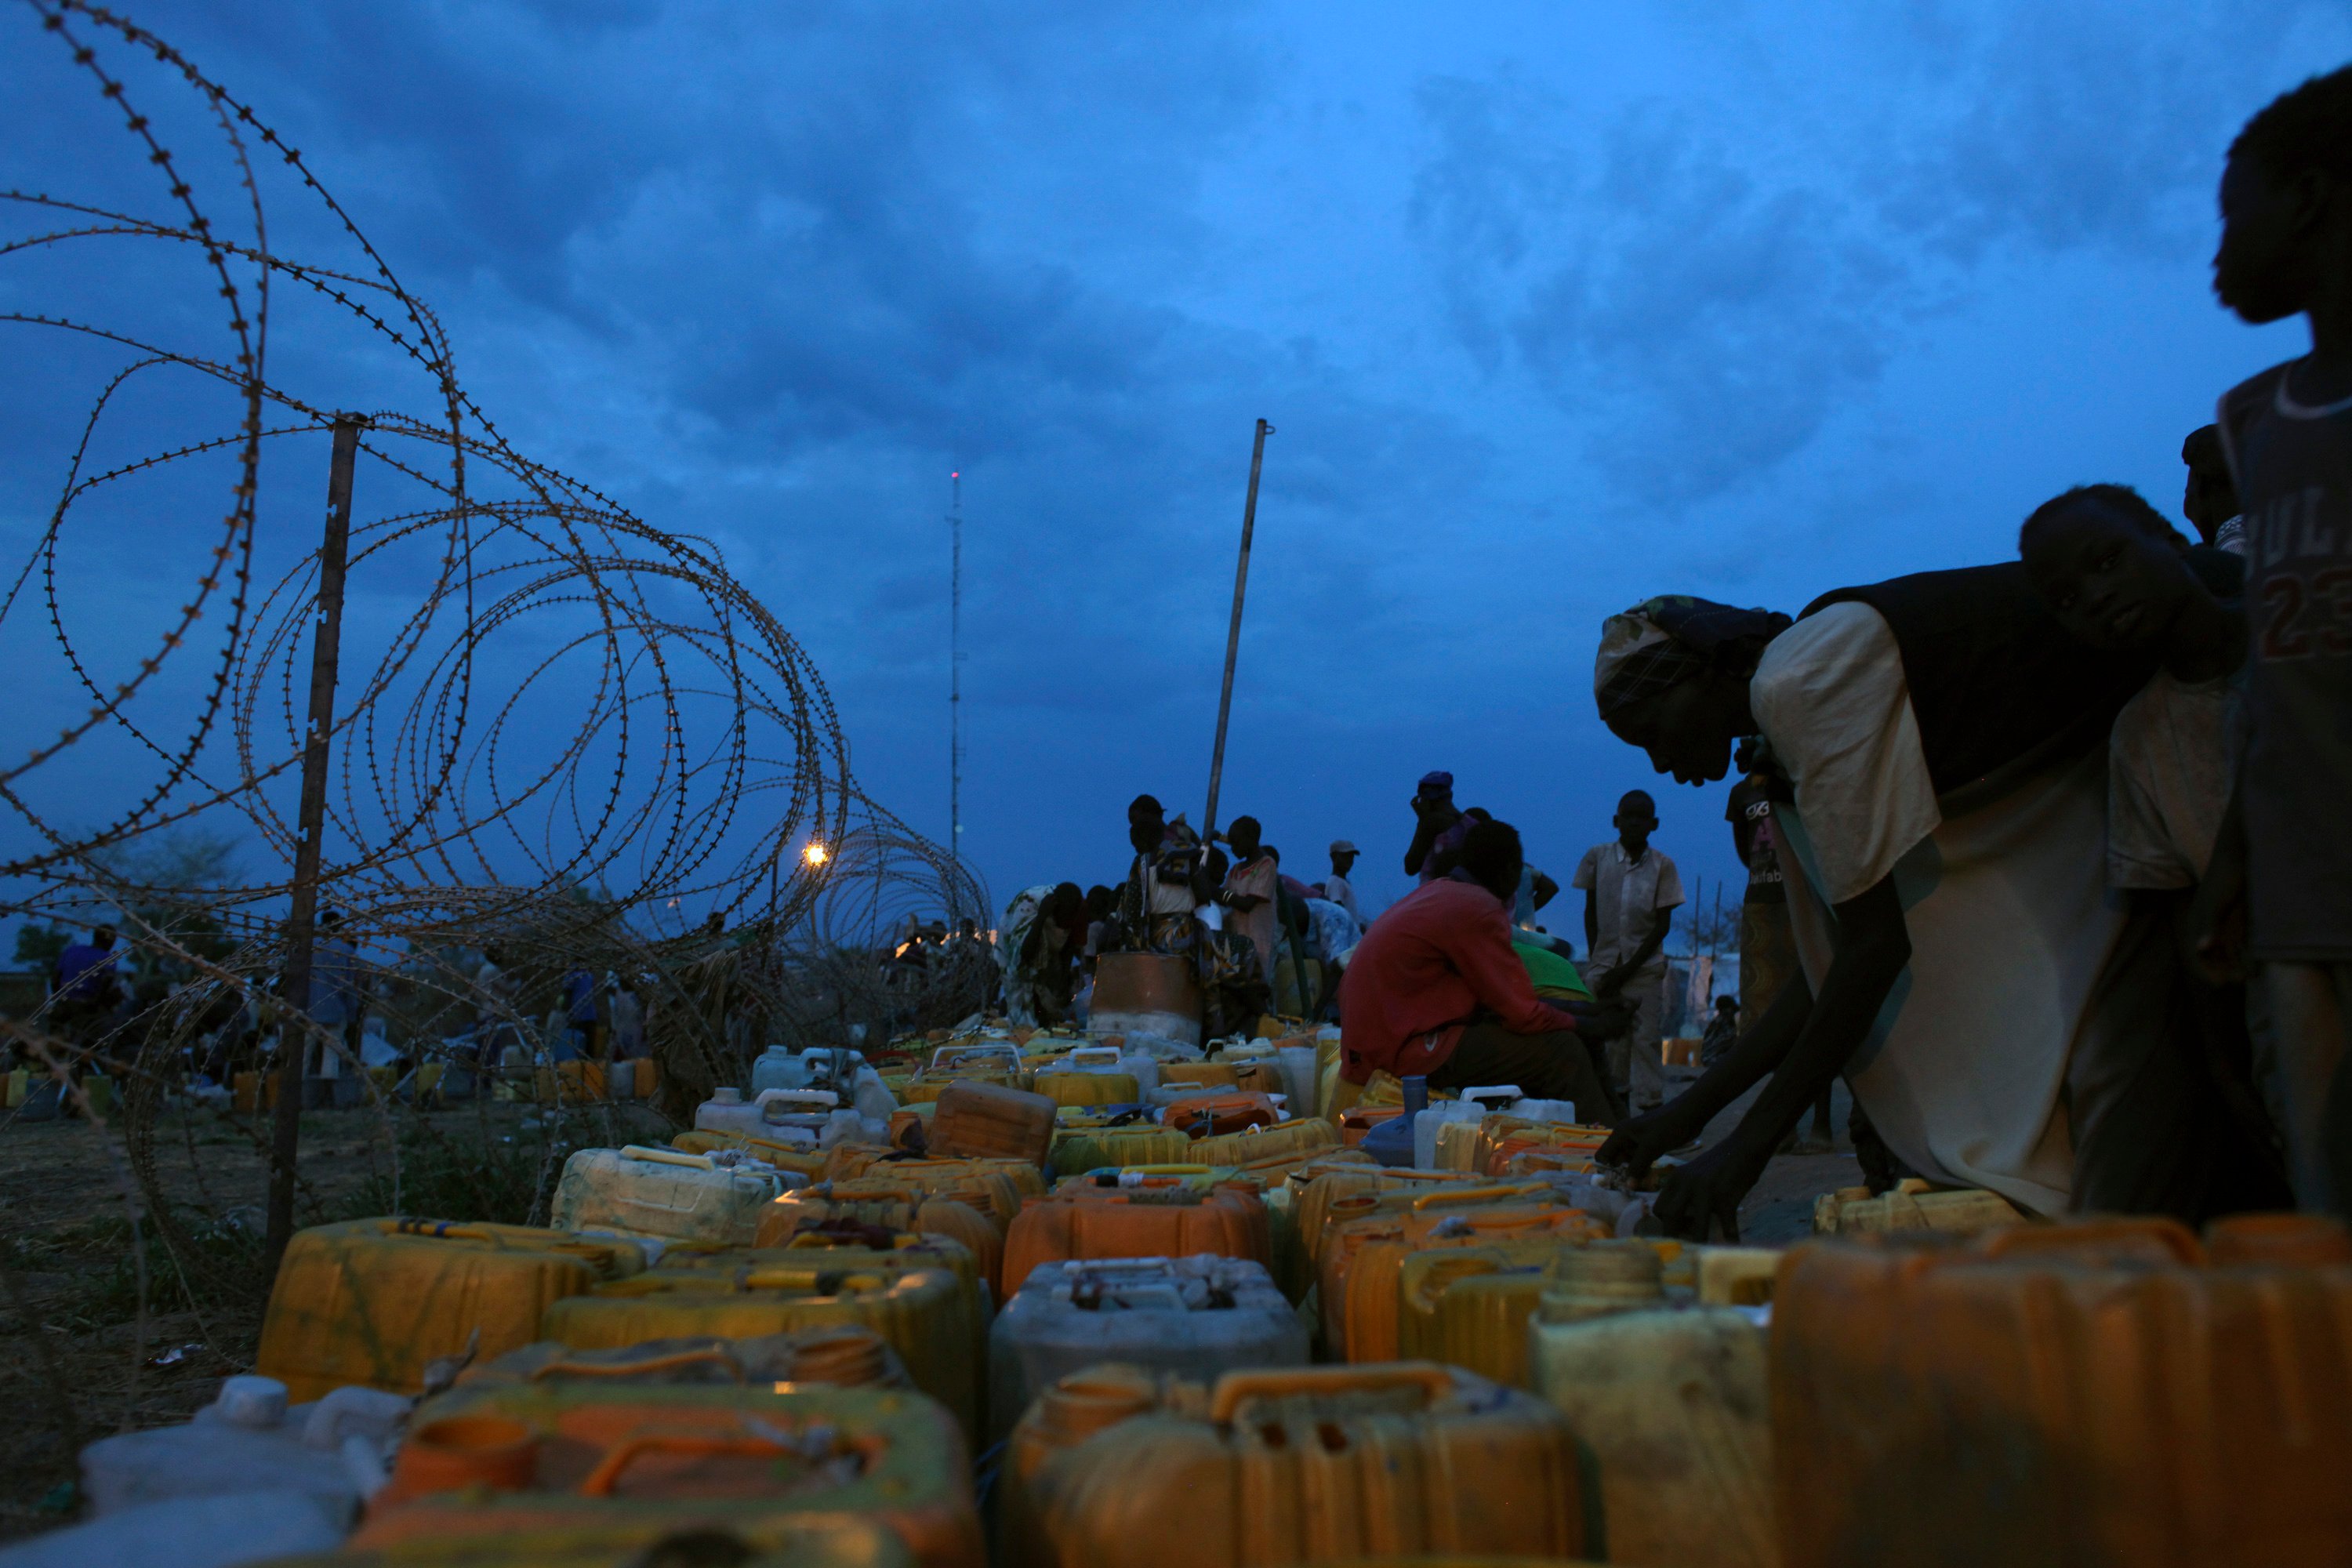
(1665, 641)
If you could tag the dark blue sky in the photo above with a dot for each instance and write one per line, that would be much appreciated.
(1554, 308)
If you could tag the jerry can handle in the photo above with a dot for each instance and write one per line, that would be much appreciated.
(1445, 1268)
(820, 1097)
(668, 1157)
(2025, 1240)
(1093, 1054)
(607, 1473)
(454, 1230)
(812, 1278)
(719, 1354)
(955, 1056)
(1236, 1388)
(1469, 1196)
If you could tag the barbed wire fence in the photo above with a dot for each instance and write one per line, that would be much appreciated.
(566, 740)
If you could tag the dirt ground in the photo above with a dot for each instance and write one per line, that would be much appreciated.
(78, 1365)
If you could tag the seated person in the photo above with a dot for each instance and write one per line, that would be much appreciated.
(1435, 988)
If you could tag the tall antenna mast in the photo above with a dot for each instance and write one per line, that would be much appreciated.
(955, 664)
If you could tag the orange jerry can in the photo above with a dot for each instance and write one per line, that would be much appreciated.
(1005, 1182)
(1325, 1188)
(375, 1301)
(648, 1462)
(1097, 1222)
(925, 1313)
(1219, 1112)
(1299, 1139)
(1111, 1468)
(1199, 1075)
(1363, 1276)
(1469, 1306)
(997, 1062)
(1501, 1137)
(2107, 1392)
(891, 1205)
(992, 1121)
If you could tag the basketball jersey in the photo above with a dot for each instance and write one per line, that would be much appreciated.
(2294, 468)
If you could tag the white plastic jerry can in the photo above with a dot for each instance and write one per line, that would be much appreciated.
(247, 1440)
(1199, 1317)
(664, 1193)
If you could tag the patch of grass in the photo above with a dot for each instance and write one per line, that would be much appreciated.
(103, 1266)
(465, 1170)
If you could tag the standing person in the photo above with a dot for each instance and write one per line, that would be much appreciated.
(2116, 575)
(1102, 919)
(1631, 893)
(495, 992)
(1035, 951)
(1336, 886)
(1438, 827)
(1535, 891)
(2286, 250)
(580, 1012)
(626, 1012)
(1435, 988)
(1937, 744)
(1335, 936)
(1157, 900)
(1287, 976)
(88, 985)
(2210, 501)
(1250, 891)
(1768, 947)
(338, 1001)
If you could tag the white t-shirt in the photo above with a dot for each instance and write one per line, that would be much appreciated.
(1627, 895)
(1831, 696)
(1336, 889)
(2168, 782)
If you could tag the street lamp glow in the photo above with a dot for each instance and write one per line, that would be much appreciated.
(816, 854)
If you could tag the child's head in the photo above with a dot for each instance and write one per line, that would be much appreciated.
(1636, 818)
(2107, 566)
(2211, 499)
(1727, 1003)
(2287, 201)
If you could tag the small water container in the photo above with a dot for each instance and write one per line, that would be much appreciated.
(666, 1192)
(1474, 1105)
(1198, 1317)
(779, 1067)
(249, 1440)
(801, 1118)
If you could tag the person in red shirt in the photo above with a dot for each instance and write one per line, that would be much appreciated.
(1434, 988)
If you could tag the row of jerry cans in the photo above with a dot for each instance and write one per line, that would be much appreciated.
(1214, 1127)
(384, 1303)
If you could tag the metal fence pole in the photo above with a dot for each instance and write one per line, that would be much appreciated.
(302, 920)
